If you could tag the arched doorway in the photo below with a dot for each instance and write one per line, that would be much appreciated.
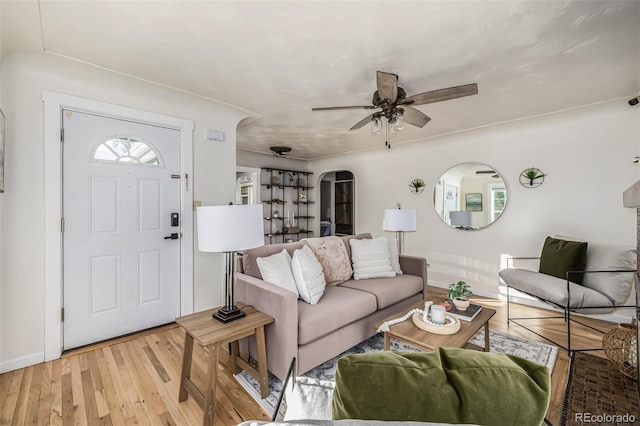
(337, 203)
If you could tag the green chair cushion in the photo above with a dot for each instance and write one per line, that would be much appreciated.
(448, 385)
(560, 256)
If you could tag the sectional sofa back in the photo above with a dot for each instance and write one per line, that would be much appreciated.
(249, 265)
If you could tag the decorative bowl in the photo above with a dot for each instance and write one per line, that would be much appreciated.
(451, 325)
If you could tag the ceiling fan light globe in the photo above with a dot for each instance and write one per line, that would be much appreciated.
(399, 120)
(376, 125)
(393, 127)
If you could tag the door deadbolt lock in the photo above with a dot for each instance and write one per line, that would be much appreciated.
(173, 236)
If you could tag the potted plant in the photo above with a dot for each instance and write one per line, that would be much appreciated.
(459, 293)
(417, 186)
(532, 174)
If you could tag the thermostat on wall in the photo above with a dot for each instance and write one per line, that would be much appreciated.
(215, 135)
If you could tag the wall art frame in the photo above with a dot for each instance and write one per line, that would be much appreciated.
(473, 202)
(532, 177)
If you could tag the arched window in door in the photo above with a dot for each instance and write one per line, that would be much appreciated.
(127, 150)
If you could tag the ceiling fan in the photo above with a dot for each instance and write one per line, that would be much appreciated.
(397, 108)
(488, 172)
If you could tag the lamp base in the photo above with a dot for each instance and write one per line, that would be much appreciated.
(228, 314)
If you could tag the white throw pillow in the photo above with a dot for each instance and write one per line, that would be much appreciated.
(395, 256)
(310, 399)
(371, 258)
(308, 275)
(276, 269)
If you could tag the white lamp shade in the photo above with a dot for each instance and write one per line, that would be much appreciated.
(460, 218)
(399, 220)
(230, 228)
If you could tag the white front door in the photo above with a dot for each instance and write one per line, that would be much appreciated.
(121, 198)
(450, 201)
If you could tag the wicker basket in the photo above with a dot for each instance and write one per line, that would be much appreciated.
(620, 346)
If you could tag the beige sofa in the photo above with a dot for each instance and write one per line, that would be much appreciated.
(344, 316)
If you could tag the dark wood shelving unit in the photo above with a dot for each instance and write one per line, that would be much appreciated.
(282, 187)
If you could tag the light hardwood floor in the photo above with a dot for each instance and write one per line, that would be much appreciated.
(135, 380)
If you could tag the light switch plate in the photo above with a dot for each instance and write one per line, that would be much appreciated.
(215, 135)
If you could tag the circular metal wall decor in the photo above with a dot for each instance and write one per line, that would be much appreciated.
(416, 186)
(532, 177)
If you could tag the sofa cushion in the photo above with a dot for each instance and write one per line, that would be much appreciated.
(309, 278)
(447, 385)
(555, 290)
(249, 264)
(334, 258)
(388, 291)
(616, 286)
(337, 308)
(371, 258)
(276, 269)
(607, 257)
(347, 238)
(560, 256)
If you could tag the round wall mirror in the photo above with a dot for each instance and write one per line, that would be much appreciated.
(470, 196)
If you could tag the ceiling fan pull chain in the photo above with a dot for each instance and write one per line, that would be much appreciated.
(387, 142)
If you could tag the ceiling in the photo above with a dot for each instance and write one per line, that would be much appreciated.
(280, 59)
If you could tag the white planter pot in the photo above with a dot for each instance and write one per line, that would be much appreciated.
(461, 305)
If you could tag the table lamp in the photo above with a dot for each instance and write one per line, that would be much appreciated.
(400, 221)
(229, 229)
(460, 219)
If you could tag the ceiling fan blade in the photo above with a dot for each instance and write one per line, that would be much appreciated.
(415, 117)
(344, 107)
(362, 122)
(387, 86)
(442, 94)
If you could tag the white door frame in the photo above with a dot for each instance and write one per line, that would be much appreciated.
(256, 186)
(53, 104)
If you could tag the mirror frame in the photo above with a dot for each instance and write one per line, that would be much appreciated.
(486, 202)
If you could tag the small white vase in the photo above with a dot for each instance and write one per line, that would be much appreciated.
(461, 305)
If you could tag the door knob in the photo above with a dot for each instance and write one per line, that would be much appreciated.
(173, 236)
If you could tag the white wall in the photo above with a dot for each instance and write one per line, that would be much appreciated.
(586, 153)
(1, 198)
(24, 77)
(255, 159)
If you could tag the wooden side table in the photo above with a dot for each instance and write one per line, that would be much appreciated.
(212, 334)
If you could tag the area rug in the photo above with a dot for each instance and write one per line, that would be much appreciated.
(498, 342)
(597, 392)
